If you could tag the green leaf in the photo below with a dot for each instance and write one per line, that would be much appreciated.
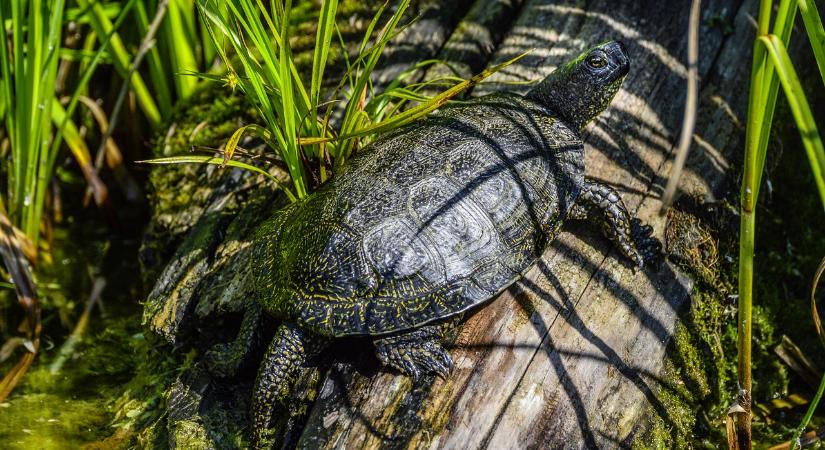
(79, 150)
(288, 111)
(158, 69)
(201, 159)
(255, 130)
(348, 122)
(420, 110)
(323, 40)
(816, 33)
(122, 59)
(179, 36)
(800, 108)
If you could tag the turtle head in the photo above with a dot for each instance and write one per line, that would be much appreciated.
(580, 90)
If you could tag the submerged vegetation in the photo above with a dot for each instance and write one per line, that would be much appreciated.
(287, 90)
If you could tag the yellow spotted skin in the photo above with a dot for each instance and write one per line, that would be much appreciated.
(430, 221)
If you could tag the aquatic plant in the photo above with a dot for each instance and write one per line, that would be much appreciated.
(772, 67)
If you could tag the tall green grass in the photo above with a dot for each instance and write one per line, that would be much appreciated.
(121, 58)
(179, 50)
(772, 68)
(296, 120)
(29, 106)
(36, 121)
(36, 124)
(28, 70)
(183, 48)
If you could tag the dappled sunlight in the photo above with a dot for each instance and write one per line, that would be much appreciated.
(627, 31)
(574, 350)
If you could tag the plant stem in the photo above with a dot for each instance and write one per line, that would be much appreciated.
(691, 104)
(747, 228)
(808, 414)
(747, 231)
(103, 26)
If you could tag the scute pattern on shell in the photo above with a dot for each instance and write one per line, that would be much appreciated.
(424, 223)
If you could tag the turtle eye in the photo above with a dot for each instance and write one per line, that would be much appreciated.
(596, 61)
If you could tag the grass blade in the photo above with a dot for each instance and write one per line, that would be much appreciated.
(255, 130)
(766, 95)
(86, 76)
(199, 159)
(691, 105)
(179, 35)
(349, 122)
(800, 109)
(287, 111)
(323, 40)
(103, 26)
(80, 151)
(816, 33)
(821, 332)
(157, 69)
(419, 111)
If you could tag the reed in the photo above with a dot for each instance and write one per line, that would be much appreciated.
(771, 68)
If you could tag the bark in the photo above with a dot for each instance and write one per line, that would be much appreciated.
(572, 355)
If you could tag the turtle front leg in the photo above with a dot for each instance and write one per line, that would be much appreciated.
(633, 239)
(415, 353)
(288, 351)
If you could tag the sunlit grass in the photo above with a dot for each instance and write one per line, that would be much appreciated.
(29, 106)
(297, 120)
(36, 123)
(121, 59)
(181, 49)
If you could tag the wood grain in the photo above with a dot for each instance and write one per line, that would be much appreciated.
(572, 355)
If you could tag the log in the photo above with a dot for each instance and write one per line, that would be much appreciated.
(570, 356)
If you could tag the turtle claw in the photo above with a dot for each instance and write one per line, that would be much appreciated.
(648, 248)
(414, 358)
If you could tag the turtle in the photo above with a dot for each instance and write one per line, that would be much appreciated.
(431, 221)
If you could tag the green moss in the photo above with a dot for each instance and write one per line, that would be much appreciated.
(700, 381)
(675, 431)
(178, 194)
(50, 421)
(700, 376)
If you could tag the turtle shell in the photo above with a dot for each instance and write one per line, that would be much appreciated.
(426, 222)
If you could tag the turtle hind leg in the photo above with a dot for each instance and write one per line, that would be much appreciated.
(415, 353)
(223, 360)
(287, 352)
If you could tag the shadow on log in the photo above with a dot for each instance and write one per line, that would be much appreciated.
(570, 356)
